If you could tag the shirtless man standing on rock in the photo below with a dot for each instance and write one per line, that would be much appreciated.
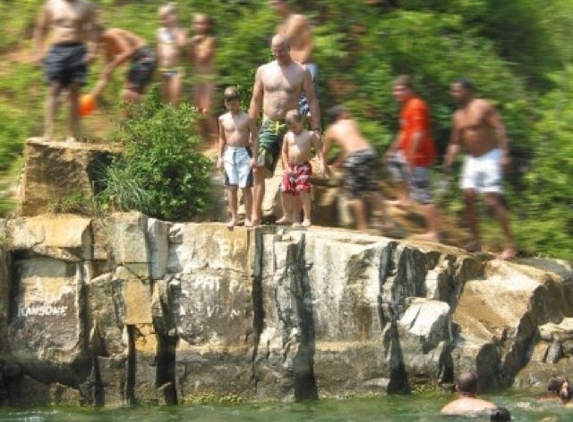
(477, 126)
(65, 63)
(277, 89)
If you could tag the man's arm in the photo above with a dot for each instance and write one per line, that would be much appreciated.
(257, 98)
(42, 24)
(308, 88)
(494, 119)
(319, 152)
(254, 141)
(453, 146)
(91, 26)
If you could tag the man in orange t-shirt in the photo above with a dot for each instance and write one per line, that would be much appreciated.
(412, 154)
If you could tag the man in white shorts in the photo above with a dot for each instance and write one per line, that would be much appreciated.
(477, 126)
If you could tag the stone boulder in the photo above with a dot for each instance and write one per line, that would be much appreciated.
(59, 172)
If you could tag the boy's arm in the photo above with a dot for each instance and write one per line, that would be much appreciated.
(284, 154)
(222, 143)
(328, 138)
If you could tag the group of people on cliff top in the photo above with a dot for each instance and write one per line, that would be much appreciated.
(66, 62)
(285, 93)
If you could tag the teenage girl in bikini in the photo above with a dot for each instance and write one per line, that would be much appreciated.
(171, 40)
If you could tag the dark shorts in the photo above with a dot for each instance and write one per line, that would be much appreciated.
(65, 65)
(271, 136)
(143, 65)
(303, 105)
(362, 169)
(298, 180)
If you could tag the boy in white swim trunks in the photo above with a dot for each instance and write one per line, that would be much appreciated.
(477, 126)
(238, 147)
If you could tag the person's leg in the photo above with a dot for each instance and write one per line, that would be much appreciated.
(470, 199)
(397, 168)
(420, 192)
(306, 208)
(175, 88)
(359, 210)
(287, 207)
(382, 210)
(402, 193)
(258, 194)
(431, 218)
(248, 202)
(74, 117)
(232, 191)
(51, 108)
(165, 87)
(494, 201)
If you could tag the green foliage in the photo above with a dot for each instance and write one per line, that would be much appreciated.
(72, 203)
(549, 180)
(160, 171)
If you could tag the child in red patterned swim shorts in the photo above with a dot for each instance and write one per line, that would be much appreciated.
(296, 154)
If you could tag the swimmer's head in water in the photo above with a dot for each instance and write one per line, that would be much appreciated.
(501, 414)
(555, 383)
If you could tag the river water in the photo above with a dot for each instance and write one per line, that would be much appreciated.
(391, 409)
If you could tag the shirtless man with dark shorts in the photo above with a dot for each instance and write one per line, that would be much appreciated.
(477, 126)
(361, 164)
(277, 90)
(65, 63)
(119, 46)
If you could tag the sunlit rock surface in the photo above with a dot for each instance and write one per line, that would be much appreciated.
(135, 310)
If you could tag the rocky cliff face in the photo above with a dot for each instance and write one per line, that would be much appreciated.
(132, 309)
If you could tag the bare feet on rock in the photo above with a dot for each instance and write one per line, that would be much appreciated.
(508, 253)
(430, 237)
(283, 221)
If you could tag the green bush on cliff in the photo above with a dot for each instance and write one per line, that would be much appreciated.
(160, 171)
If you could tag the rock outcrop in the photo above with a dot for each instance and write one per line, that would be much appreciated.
(60, 174)
(131, 309)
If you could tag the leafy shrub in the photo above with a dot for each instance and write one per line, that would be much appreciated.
(160, 171)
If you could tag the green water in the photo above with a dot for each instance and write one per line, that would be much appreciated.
(391, 409)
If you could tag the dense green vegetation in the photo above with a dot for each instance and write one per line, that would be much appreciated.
(517, 52)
